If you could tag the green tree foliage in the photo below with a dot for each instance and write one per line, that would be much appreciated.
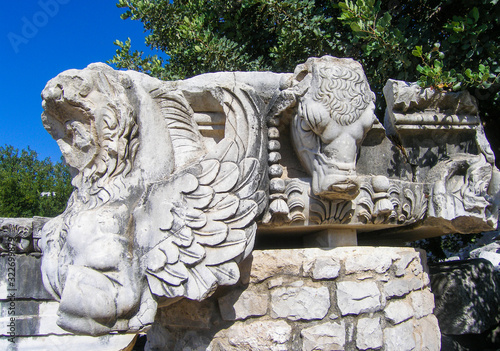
(30, 187)
(450, 44)
(453, 51)
(206, 36)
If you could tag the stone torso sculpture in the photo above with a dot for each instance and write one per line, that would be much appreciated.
(335, 111)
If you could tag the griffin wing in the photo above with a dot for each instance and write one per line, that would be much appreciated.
(200, 223)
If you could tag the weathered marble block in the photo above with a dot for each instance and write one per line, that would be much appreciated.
(177, 182)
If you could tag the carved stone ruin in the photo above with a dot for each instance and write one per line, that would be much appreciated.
(176, 182)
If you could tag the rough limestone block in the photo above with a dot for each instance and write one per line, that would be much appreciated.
(268, 263)
(400, 337)
(401, 287)
(278, 281)
(300, 302)
(398, 311)
(241, 304)
(422, 302)
(377, 261)
(416, 268)
(326, 268)
(326, 336)
(405, 260)
(427, 334)
(369, 334)
(316, 259)
(302, 311)
(358, 297)
(258, 335)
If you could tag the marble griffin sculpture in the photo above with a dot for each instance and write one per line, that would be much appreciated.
(156, 215)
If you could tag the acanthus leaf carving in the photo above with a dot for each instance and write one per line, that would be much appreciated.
(330, 212)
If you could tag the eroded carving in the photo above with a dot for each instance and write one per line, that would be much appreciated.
(376, 206)
(456, 163)
(155, 215)
(334, 111)
(330, 212)
(460, 188)
(20, 235)
(15, 237)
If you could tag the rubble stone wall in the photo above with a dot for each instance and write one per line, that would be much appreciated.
(350, 298)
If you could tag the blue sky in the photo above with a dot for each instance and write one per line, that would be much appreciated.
(38, 40)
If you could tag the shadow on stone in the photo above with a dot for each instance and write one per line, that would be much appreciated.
(467, 297)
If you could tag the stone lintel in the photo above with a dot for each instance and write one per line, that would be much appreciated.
(332, 237)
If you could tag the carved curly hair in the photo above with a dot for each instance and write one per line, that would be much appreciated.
(345, 92)
(119, 144)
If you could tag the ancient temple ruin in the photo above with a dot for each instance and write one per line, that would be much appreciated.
(249, 210)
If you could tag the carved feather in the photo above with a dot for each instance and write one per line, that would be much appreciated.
(172, 274)
(227, 273)
(247, 210)
(211, 213)
(210, 169)
(186, 139)
(226, 178)
(248, 183)
(224, 252)
(213, 233)
(225, 207)
(202, 283)
(192, 254)
(171, 251)
(200, 198)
